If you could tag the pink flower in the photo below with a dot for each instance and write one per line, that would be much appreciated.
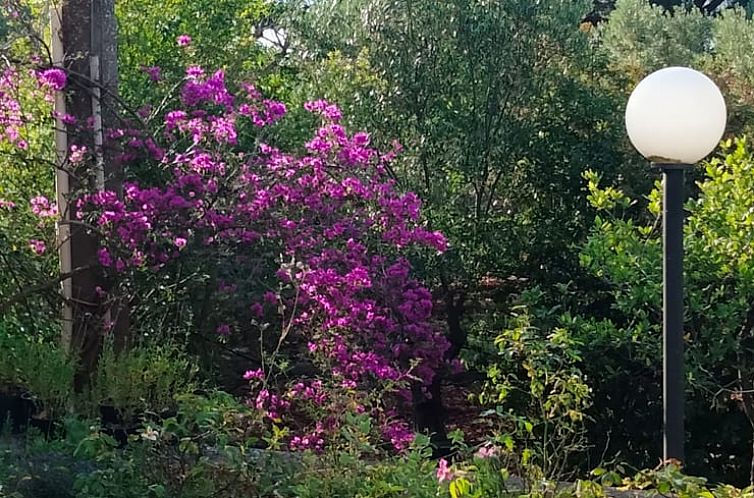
(77, 153)
(444, 472)
(184, 40)
(154, 72)
(194, 72)
(254, 374)
(67, 119)
(223, 329)
(180, 242)
(399, 434)
(38, 247)
(487, 452)
(42, 207)
(257, 310)
(7, 204)
(270, 298)
(330, 112)
(53, 78)
(103, 255)
(358, 278)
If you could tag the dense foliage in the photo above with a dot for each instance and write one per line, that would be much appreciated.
(498, 107)
(336, 215)
(719, 314)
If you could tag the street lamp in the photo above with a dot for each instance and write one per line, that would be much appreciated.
(675, 117)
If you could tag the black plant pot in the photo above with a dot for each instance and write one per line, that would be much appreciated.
(45, 425)
(15, 410)
(109, 415)
(115, 425)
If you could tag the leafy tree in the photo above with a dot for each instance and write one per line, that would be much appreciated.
(26, 168)
(498, 103)
(603, 8)
(500, 107)
(223, 34)
(641, 38)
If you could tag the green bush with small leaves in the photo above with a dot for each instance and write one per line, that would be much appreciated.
(144, 378)
(38, 368)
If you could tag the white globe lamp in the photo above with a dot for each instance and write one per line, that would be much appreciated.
(676, 116)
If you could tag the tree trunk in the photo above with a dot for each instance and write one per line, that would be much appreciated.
(88, 32)
(429, 411)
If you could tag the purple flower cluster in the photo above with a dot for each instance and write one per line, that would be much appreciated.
(399, 434)
(42, 207)
(314, 440)
(184, 40)
(154, 72)
(311, 391)
(77, 153)
(333, 211)
(38, 247)
(11, 116)
(272, 405)
(54, 78)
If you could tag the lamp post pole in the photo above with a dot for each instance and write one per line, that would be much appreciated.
(674, 117)
(672, 311)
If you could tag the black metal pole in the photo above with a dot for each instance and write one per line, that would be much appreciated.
(673, 376)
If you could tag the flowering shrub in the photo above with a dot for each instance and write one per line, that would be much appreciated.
(315, 246)
(27, 211)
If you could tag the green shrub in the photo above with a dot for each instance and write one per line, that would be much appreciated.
(539, 392)
(201, 451)
(42, 369)
(145, 378)
(626, 253)
(344, 474)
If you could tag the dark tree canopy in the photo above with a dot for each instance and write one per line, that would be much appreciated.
(602, 8)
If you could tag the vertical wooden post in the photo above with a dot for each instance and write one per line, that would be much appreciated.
(62, 187)
(88, 33)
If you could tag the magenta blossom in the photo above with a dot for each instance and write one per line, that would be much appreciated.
(487, 451)
(444, 472)
(53, 78)
(38, 247)
(154, 72)
(104, 258)
(257, 374)
(194, 72)
(317, 244)
(77, 153)
(399, 434)
(184, 40)
(42, 207)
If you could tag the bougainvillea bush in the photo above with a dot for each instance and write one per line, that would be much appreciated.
(27, 208)
(301, 257)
